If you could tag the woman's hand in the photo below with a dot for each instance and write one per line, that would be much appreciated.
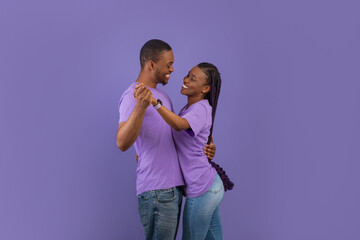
(153, 101)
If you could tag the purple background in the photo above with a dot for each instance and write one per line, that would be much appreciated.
(287, 128)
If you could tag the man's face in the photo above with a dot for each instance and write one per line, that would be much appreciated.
(164, 67)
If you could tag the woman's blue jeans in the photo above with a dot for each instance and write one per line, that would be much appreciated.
(201, 218)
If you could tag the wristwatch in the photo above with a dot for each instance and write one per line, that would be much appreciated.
(158, 105)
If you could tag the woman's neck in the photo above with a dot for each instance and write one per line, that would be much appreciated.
(192, 100)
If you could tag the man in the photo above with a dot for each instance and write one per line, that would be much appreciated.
(158, 171)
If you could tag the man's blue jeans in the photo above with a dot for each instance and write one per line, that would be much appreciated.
(201, 218)
(159, 213)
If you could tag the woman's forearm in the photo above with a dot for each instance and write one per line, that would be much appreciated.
(176, 122)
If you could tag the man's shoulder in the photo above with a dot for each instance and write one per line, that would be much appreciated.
(128, 92)
(127, 98)
(130, 89)
(164, 95)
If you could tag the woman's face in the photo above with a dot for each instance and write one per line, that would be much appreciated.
(195, 83)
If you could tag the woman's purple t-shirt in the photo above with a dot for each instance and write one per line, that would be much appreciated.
(197, 171)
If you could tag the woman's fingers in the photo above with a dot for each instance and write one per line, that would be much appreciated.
(153, 101)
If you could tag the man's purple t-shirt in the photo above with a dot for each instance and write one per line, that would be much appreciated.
(158, 166)
(197, 171)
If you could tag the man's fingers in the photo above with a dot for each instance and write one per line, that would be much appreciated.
(147, 92)
(210, 152)
(147, 95)
(139, 85)
(150, 96)
(210, 148)
(209, 156)
(139, 91)
(143, 92)
(135, 92)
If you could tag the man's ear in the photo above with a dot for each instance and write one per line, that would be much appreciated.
(150, 65)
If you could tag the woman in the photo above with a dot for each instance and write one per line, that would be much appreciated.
(192, 130)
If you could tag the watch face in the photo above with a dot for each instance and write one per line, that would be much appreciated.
(158, 105)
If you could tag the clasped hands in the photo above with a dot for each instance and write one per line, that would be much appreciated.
(144, 96)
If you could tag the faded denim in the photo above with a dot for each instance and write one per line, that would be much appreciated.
(201, 218)
(160, 212)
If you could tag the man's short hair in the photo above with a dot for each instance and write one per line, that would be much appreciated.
(152, 50)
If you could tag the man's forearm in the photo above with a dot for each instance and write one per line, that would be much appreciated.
(129, 131)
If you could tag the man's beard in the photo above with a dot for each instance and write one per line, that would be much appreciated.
(161, 78)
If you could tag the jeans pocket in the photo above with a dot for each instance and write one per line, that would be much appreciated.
(215, 191)
(166, 195)
(217, 185)
(143, 209)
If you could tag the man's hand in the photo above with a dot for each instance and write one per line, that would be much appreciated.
(129, 130)
(210, 149)
(142, 95)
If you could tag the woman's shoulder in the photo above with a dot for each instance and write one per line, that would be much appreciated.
(204, 104)
(200, 106)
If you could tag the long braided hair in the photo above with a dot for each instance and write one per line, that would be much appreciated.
(214, 80)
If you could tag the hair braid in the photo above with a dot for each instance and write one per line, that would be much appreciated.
(214, 80)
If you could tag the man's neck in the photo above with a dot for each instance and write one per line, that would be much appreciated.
(146, 80)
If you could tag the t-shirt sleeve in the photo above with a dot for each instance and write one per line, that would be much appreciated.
(196, 118)
(126, 106)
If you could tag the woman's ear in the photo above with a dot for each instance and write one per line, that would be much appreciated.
(206, 89)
